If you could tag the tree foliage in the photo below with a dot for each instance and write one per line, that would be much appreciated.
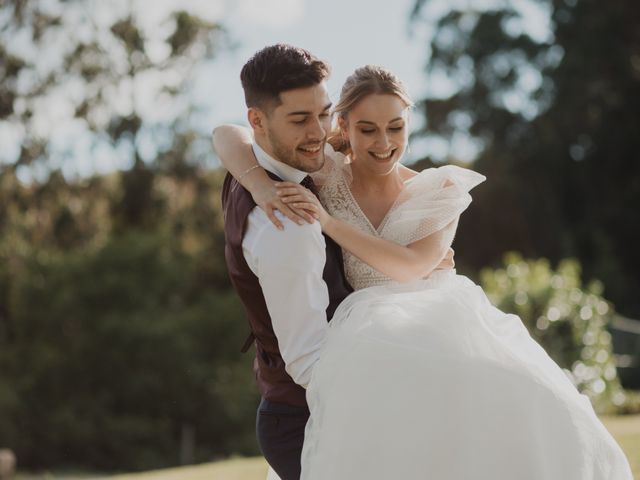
(567, 319)
(119, 332)
(548, 93)
(112, 354)
(88, 85)
(116, 341)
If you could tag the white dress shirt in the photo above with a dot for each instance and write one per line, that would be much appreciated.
(289, 264)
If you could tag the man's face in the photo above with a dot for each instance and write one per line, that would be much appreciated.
(295, 131)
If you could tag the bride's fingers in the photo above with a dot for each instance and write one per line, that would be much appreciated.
(283, 191)
(308, 212)
(308, 206)
(304, 208)
(270, 211)
(299, 217)
(298, 198)
(287, 211)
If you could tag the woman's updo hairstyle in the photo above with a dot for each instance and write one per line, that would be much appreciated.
(365, 81)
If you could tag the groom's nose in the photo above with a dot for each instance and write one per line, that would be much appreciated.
(316, 130)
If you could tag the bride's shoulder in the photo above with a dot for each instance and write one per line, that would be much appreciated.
(406, 173)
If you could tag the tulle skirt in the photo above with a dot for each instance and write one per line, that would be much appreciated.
(428, 380)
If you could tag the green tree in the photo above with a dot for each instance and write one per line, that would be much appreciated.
(128, 341)
(86, 86)
(548, 94)
(113, 75)
(567, 319)
(119, 334)
(115, 354)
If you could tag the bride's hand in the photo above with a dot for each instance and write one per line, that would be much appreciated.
(267, 199)
(301, 200)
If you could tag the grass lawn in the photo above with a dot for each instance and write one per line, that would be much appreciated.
(625, 429)
(236, 469)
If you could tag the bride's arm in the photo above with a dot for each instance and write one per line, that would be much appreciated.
(402, 263)
(233, 145)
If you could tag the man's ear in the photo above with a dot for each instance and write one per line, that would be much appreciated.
(257, 120)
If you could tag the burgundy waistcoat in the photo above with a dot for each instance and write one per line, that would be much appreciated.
(274, 382)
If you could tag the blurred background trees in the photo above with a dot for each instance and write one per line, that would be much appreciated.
(568, 319)
(119, 333)
(552, 113)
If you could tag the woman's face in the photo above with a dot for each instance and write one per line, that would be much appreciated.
(377, 130)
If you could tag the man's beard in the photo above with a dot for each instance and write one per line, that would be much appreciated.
(287, 154)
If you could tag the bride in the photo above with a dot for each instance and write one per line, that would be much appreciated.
(420, 376)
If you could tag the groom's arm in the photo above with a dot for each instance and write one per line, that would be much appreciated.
(289, 265)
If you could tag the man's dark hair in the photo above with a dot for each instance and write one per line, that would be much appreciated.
(276, 69)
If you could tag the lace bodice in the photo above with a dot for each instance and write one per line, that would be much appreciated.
(429, 202)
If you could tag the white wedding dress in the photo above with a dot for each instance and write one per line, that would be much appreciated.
(428, 380)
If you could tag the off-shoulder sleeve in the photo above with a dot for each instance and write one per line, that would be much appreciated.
(429, 202)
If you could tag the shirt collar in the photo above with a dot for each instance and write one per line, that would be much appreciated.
(282, 170)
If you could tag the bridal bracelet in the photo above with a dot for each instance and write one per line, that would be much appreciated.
(247, 171)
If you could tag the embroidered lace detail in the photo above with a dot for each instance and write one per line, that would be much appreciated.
(429, 202)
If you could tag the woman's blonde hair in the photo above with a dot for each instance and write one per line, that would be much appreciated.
(365, 81)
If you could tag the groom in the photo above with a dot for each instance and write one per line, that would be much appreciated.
(289, 281)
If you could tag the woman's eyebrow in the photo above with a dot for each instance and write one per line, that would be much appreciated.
(373, 123)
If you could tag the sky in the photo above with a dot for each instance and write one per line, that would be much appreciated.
(347, 34)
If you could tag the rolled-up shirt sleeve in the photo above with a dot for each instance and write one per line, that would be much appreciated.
(289, 266)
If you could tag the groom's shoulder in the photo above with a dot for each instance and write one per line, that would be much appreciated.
(291, 230)
(293, 238)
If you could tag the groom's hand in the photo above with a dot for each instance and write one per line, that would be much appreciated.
(447, 263)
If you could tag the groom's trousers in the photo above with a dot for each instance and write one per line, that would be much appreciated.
(280, 431)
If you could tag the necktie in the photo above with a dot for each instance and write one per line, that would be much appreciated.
(307, 182)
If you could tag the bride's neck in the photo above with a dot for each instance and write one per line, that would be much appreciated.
(367, 182)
